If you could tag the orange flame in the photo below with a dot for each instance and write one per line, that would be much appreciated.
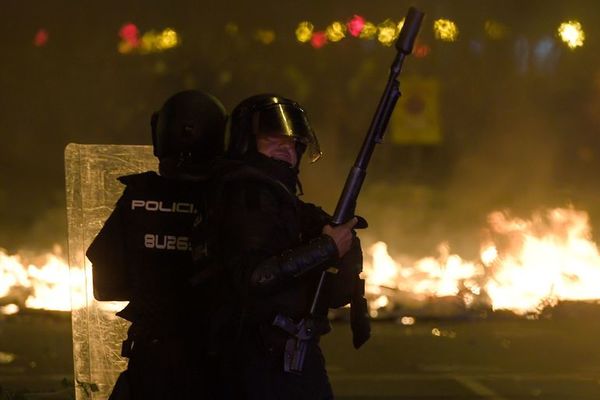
(523, 266)
(43, 284)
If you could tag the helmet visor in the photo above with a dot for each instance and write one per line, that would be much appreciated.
(287, 120)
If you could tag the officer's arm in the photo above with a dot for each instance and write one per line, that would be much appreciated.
(293, 263)
(252, 223)
(107, 254)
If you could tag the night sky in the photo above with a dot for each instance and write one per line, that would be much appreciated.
(519, 115)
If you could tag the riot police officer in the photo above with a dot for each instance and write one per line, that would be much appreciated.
(271, 248)
(143, 252)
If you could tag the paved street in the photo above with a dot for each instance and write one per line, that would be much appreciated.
(495, 358)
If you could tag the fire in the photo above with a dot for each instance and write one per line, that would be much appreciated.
(524, 265)
(41, 282)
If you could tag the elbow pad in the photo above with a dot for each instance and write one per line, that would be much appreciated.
(293, 263)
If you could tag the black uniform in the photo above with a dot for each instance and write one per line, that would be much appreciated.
(269, 244)
(143, 254)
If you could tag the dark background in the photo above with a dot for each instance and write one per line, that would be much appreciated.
(521, 130)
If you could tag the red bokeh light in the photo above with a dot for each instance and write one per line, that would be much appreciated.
(130, 34)
(356, 25)
(421, 50)
(318, 40)
(41, 38)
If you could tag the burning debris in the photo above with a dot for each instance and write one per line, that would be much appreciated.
(524, 266)
(38, 282)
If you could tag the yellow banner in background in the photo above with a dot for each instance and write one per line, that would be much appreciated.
(416, 119)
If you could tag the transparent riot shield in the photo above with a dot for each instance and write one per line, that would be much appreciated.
(92, 191)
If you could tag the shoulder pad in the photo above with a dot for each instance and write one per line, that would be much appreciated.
(136, 179)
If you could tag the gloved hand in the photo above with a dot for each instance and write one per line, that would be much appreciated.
(341, 235)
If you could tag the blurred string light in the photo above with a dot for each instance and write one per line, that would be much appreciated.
(369, 31)
(445, 29)
(41, 38)
(130, 34)
(388, 32)
(355, 25)
(336, 31)
(150, 42)
(318, 39)
(571, 33)
(304, 31)
(265, 36)
(495, 30)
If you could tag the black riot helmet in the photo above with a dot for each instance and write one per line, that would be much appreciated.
(270, 114)
(189, 128)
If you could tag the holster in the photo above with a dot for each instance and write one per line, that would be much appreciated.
(296, 346)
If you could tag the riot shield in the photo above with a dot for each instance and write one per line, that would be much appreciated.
(92, 190)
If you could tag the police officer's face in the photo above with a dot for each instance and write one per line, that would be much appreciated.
(278, 147)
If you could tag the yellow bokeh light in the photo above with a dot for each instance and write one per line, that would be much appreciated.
(388, 32)
(148, 42)
(153, 42)
(335, 32)
(494, 29)
(125, 47)
(369, 31)
(445, 30)
(304, 31)
(265, 36)
(571, 33)
(400, 25)
(232, 29)
(167, 39)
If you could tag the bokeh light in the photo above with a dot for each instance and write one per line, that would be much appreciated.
(445, 30)
(265, 36)
(572, 34)
(388, 32)
(494, 29)
(318, 40)
(41, 38)
(355, 25)
(369, 31)
(304, 31)
(336, 31)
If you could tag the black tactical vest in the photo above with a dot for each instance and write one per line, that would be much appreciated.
(143, 252)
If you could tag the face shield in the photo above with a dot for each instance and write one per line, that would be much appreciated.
(287, 120)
